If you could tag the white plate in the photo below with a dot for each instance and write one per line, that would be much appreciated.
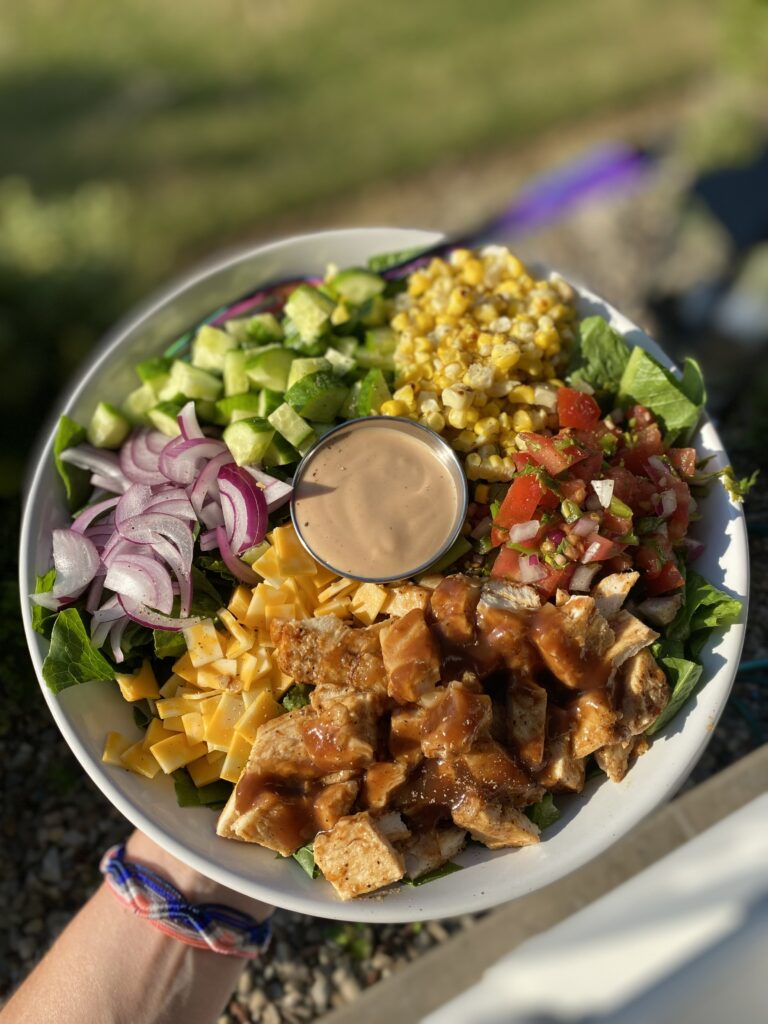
(591, 821)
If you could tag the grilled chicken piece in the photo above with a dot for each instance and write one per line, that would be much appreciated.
(527, 720)
(333, 802)
(597, 723)
(430, 848)
(642, 692)
(494, 823)
(489, 769)
(630, 636)
(616, 758)
(356, 857)
(380, 782)
(561, 769)
(325, 652)
(404, 599)
(611, 592)
(512, 597)
(572, 640)
(393, 827)
(452, 608)
(411, 657)
(503, 641)
(454, 721)
(406, 726)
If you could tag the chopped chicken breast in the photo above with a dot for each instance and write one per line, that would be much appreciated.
(356, 857)
(411, 657)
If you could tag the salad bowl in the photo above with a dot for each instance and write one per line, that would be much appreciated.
(590, 822)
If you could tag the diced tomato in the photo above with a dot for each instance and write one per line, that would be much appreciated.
(555, 454)
(619, 563)
(498, 537)
(520, 501)
(680, 519)
(590, 468)
(652, 555)
(684, 460)
(635, 491)
(521, 460)
(598, 548)
(575, 409)
(574, 490)
(554, 579)
(670, 578)
(507, 565)
(616, 524)
(647, 442)
(642, 416)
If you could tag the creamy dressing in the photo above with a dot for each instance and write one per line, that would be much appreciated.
(375, 503)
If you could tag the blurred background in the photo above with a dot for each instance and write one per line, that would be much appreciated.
(624, 142)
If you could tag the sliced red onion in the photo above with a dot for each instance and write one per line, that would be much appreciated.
(276, 492)
(584, 527)
(693, 548)
(206, 481)
(95, 591)
(521, 532)
(188, 422)
(75, 560)
(482, 529)
(133, 502)
(143, 580)
(115, 638)
(208, 541)
(103, 619)
(237, 567)
(108, 483)
(530, 569)
(140, 457)
(604, 491)
(181, 459)
(244, 508)
(593, 552)
(87, 516)
(658, 470)
(668, 503)
(557, 537)
(154, 620)
(95, 460)
(149, 527)
(583, 576)
(211, 516)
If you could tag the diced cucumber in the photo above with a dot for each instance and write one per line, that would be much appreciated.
(375, 360)
(206, 410)
(381, 339)
(254, 554)
(339, 363)
(291, 426)
(154, 372)
(321, 429)
(310, 311)
(357, 285)
(235, 377)
(318, 396)
(373, 393)
(237, 407)
(248, 440)
(164, 418)
(108, 427)
(460, 547)
(269, 367)
(268, 402)
(190, 381)
(348, 410)
(347, 345)
(210, 346)
(280, 453)
(138, 403)
(260, 329)
(304, 367)
(375, 312)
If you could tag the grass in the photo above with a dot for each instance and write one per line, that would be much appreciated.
(217, 117)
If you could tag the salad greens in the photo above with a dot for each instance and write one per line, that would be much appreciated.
(305, 856)
(214, 795)
(76, 481)
(296, 697)
(646, 382)
(42, 618)
(72, 658)
(600, 358)
(543, 813)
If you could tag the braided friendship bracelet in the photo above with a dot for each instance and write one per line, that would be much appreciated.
(203, 925)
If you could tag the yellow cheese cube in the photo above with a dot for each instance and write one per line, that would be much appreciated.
(137, 687)
(254, 616)
(236, 759)
(140, 761)
(264, 708)
(367, 602)
(209, 679)
(243, 638)
(336, 589)
(238, 604)
(220, 727)
(279, 682)
(184, 668)
(263, 685)
(171, 685)
(173, 706)
(226, 666)
(203, 643)
(253, 666)
(175, 752)
(323, 576)
(194, 728)
(338, 606)
(115, 746)
(173, 724)
(292, 556)
(280, 611)
(156, 731)
(268, 567)
(204, 770)
(404, 599)
(431, 581)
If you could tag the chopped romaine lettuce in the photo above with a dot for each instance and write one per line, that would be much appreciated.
(646, 382)
(42, 618)
(76, 481)
(72, 658)
(305, 856)
(544, 813)
(683, 675)
(431, 876)
(214, 795)
(599, 358)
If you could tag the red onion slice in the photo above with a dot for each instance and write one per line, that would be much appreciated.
(76, 561)
(141, 579)
(211, 516)
(206, 481)
(140, 457)
(149, 527)
(87, 516)
(604, 491)
(115, 638)
(668, 503)
(658, 471)
(482, 529)
(208, 541)
(531, 570)
(244, 508)
(96, 460)
(584, 527)
(237, 567)
(524, 531)
(108, 483)
(152, 619)
(188, 422)
(180, 460)
(276, 492)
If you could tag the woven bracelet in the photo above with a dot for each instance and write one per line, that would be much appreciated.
(203, 925)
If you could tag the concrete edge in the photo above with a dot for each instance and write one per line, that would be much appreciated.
(439, 975)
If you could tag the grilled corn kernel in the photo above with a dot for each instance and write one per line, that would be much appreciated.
(522, 420)
(394, 408)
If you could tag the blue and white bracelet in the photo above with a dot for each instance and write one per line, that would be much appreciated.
(210, 926)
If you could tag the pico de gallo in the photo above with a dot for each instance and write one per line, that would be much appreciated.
(603, 494)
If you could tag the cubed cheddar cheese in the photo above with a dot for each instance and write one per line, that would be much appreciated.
(338, 606)
(367, 602)
(238, 604)
(184, 668)
(194, 728)
(220, 727)
(140, 760)
(268, 567)
(279, 682)
(172, 706)
(173, 724)
(176, 751)
(156, 731)
(253, 666)
(203, 645)
(292, 556)
(262, 710)
(236, 758)
(115, 746)
(139, 686)
(280, 611)
(341, 586)
(242, 638)
(206, 769)
(171, 685)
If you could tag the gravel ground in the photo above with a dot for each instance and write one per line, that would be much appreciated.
(56, 824)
